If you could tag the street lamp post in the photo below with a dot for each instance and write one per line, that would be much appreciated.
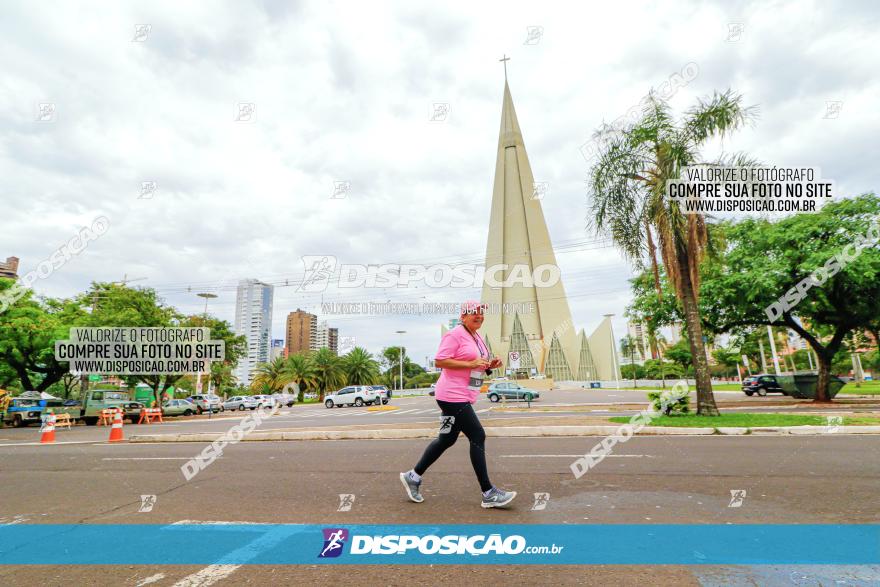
(206, 296)
(400, 353)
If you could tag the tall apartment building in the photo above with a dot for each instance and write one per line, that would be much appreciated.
(9, 269)
(326, 337)
(639, 333)
(302, 328)
(253, 319)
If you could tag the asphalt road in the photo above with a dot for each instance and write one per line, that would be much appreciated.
(419, 409)
(647, 480)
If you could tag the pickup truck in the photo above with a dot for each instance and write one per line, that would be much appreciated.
(26, 411)
(101, 399)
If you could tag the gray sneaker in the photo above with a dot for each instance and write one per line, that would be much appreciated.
(498, 498)
(412, 488)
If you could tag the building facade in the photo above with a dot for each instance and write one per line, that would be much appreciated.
(277, 350)
(253, 320)
(326, 337)
(9, 269)
(302, 328)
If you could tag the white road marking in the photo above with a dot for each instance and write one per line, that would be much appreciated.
(399, 412)
(207, 576)
(148, 458)
(151, 579)
(571, 456)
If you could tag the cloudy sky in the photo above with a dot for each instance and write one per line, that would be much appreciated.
(345, 92)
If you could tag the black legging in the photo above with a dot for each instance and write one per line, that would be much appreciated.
(465, 421)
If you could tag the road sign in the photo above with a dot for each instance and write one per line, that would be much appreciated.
(94, 377)
(513, 359)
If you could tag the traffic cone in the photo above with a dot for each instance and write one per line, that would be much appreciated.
(116, 429)
(48, 436)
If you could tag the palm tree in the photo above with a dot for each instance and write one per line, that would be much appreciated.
(328, 371)
(360, 367)
(628, 346)
(628, 183)
(300, 370)
(271, 376)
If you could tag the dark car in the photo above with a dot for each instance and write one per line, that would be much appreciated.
(72, 402)
(762, 385)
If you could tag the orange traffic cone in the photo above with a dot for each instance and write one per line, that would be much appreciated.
(48, 436)
(116, 429)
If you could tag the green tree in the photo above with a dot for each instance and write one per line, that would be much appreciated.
(628, 348)
(360, 367)
(680, 353)
(628, 185)
(302, 372)
(742, 289)
(329, 373)
(727, 357)
(271, 376)
(28, 330)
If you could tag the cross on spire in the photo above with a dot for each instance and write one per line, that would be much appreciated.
(504, 59)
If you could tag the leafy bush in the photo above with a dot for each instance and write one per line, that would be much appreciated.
(670, 402)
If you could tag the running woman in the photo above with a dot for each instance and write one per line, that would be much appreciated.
(464, 359)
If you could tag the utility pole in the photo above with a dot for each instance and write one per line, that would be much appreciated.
(763, 360)
(400, 355)
(206, 296)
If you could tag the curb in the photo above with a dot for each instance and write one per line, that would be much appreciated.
(508, 432)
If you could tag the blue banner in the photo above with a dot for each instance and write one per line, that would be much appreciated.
(275, 544)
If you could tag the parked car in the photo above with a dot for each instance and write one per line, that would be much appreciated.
(178, 407)
(284, 399)
(240, 402)
(264, 401)
(511, 390)
(353, 395)
(762, 385)
(204, 403)
(386, 393)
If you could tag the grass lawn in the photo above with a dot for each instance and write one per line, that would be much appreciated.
(749, 420)
(867, 388)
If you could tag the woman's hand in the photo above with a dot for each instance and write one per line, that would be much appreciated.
(479, 364)
(496, 362)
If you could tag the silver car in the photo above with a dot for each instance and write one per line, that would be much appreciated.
(205, 402)
(264, 401)
(240, 402)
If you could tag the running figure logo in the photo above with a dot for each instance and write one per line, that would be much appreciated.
(346, 500)
(334, 541)
(147, 503)
(318, 270)
(737, 496)
(446, 423)
(541, 500)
